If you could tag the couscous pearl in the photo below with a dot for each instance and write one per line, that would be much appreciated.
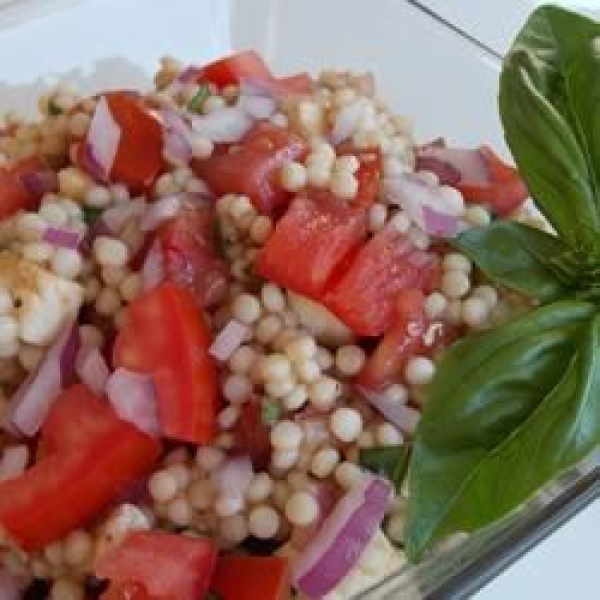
(110, 252)
(246, 309)
(477, 216)
(453, 312)
(77, 548)
(388, 435)
(396, 393)
(284, 459)
(261, 229)
(38, 251)
(263, 522)
(272, 298)
(53, 553)
(435, 304)
(241, 207)
(455, 284)
(346, 424)
(200, 494)
(301, 509)
(475, 311)
(279, 388)
(394, 528)
(201, 146)
(275, 367)
(242, 360)
(130, 286)
(98, 196)
(180, 473)
(260, 488)
(179, 512)
(348, 474)
(350, 360)
(400, 222)
(225, 506)
(212, 103)
(488, 294)
(324, 392)
(30, 356)
(324, 359)
(343, 185)
(66, 589)
(281, 492)
(296, 399)
(286, 435)
(6, 301)
(228, 417)
(301, 348)
(53, 214)
(234, 529)
(108, 302)
(162, 486)
(419, 370)
(377, 217)
(9, 329)
(267, 329)
(72, 183)
(293, 176)
(209, 458)
(366, 440)
(347, 163)
(66, 262)
(324, 462)
(318, 174)
(456, 262)
(237, 388)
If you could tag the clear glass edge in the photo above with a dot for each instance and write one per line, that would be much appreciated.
(465, 564)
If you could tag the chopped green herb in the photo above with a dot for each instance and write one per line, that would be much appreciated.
(91, 213)
(195, 104)
(390, 461)
(54, 109)
(269, 411)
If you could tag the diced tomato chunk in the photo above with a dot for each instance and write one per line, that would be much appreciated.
(168, 566)
(252, 169)
(364, 298)
(229, 70)
(189, 249)
(310, 242)
(15, 194)
(166, 336)
(251, 435)
(87, 456)
(125, 591)
(251, 578)
(504, 192)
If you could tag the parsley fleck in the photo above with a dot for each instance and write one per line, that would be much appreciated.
(269, 411)
(53, 108)
(195, 104)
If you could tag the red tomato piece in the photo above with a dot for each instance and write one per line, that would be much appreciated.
(252, 169)
(252, 435)
(168, 566)
(88, 455)
(364, 297)
(167, 337)
(139, 159)
(368, 174)
(310, 242)
(301, 83)
(125, 591)
(240, 577)
(229, 70)
(15, 195)
(504, 192)
(190, 258)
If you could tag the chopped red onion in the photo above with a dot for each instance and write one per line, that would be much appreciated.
(257, 107)
(446, 163)
(62, 238)
(102, 141)
(224, 125)
(439, 224)
(347, 120)
(234, 477)
(177, 149)
(404, 417)
(189, 74)
(134, 399)
(91, 368)
(160, 211)
(116, 216)
(96, 229)
(13, 463)
(11, 586)
(39, 183)
(255, 86)
(228, 340)
(153, 271)
(446, 173)
(342, 538)
(32, 400)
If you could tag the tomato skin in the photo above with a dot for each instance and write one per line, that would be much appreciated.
(252, 435)
(125, 591)
(87, 456)
(505, 191)
(310, 242)
(253, 168)
(14, 195)
(190, 258)
(167, 566)
(240, 577)
(364, 297)
(229, 70)
(166, 337)
(368, 174)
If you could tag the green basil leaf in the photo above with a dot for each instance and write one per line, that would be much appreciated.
(389, 461)
(195, 104)
(487, 389)
(270, 411)
(516, 256)
(540, 125)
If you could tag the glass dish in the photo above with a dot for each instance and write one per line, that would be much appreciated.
(427, 70)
